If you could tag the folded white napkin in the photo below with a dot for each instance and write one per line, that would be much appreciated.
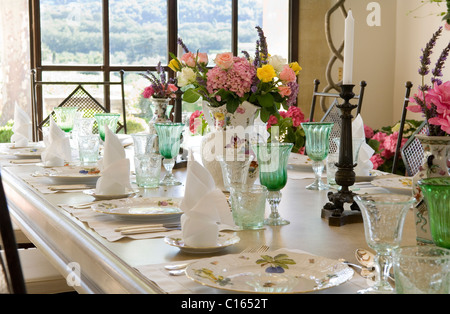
(22, 128)
(57, 147)
(204, 207)
(365, 152)
(114, 167)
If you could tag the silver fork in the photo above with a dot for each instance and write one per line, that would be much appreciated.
(180, 269)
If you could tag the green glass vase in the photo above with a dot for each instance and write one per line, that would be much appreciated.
(169, 139)
(317, 148)
(436, 192)
(273, 159)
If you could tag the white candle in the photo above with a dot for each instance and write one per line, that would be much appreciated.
(348, 48)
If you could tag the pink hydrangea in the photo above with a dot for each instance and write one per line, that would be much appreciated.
(390, 142)
(148, 92)
(272, 120)
(368, 131)
(380, 137)
(297, 115)
(237, 79)
(440, 97)
(377, 161)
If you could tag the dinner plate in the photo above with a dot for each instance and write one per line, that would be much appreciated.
(300, 161)
(102, 197)
(373, 174)
(400, 185)
(28, 153)
(141, 209)
(274, 272)
(223, 241)
(74, 174)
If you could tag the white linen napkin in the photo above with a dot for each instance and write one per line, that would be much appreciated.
(22, 128)
(114, 167)
(57, 147)
(204, 207)
(365, 152)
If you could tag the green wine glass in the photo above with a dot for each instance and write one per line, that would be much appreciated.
(108, 119)
(65, 116)
(273, 159)
(169, 138)
(317, 148)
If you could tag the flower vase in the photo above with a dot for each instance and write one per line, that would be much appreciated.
(230, 135)
(160, 109)
(436, 150)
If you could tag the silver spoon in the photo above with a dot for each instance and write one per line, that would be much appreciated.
(365, 257)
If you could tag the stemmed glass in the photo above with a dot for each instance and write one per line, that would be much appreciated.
(384, 217)
(273, 159)
(106, 119)
(317, 148)
(65, 117)
(169, 138)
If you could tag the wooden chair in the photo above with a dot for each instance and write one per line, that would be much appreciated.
(408, 86)
(24, 270)
(333, 114)
(79, 98)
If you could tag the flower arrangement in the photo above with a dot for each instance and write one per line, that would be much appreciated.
(159, 87)
(433, 102)
(384, 142)
(197, 123)
(289, 128)
(268, 82)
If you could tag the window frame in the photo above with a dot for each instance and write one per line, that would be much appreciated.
(106, 68)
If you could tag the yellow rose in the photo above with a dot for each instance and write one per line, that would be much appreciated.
(266, 73)
(296, 67)
(174, 64)
(219, 116)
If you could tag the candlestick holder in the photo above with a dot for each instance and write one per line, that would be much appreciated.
(181, 161)
(345, 176)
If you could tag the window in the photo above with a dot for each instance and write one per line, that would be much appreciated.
(89, 40)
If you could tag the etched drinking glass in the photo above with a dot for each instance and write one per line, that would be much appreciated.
(169, 139)
(234, 169)
(65, 116)
(384, 217)
(106, 119)
(273, 160)
(317, 148)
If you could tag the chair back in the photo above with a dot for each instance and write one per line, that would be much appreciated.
(333, 114)
(79, 98)
(408, 86)
(11, 275)
(413, 153)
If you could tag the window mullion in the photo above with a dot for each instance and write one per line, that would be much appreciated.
(106, 54)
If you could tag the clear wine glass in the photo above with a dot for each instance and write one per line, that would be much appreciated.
(169, 138)
(273, 159)
(317, 148)
(384, 217)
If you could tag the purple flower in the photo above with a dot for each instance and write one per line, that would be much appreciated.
(425, 58)
(181, 43)
(437, 72)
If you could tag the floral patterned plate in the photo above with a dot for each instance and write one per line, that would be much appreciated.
(223, 241)
(73, 174)
(141, 209)
(100, 197)
(275, 272)
(32, 152)
(300, 161)
(400, 185)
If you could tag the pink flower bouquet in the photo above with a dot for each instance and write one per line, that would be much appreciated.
(268, 82)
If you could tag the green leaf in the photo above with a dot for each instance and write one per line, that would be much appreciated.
(264, 115)
(191, 96)
(232, 104)
(266, 100)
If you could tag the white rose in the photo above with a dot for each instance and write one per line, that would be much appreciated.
(186, 77)
(277, 62)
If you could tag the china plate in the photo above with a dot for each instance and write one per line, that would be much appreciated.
(261, 273)
(373, 174)
(101, 197)
(28, 153)
(74, 174)
(300, 161)
(400, 185)
(141, 209)
(223, 241)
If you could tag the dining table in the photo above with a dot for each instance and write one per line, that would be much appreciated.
(84, 247)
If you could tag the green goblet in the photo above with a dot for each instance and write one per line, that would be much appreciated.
(317, 148)
(169, 138)
(273, 160)
(109, 119)
(65, 117)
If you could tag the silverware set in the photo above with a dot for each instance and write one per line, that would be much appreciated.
(152, 228)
